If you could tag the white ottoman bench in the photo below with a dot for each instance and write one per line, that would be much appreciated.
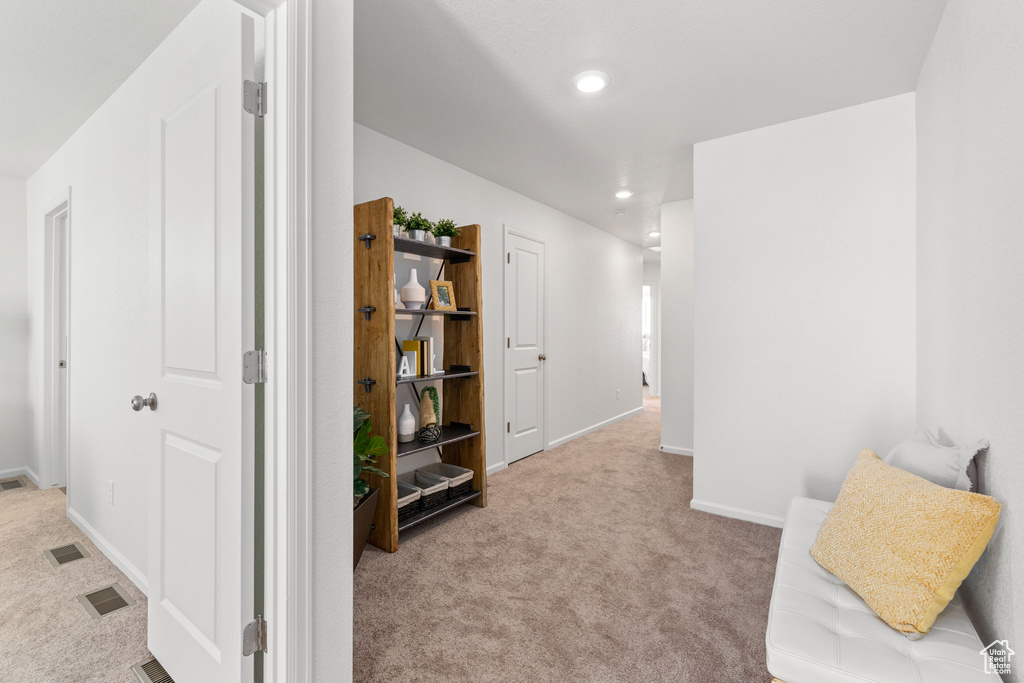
(820, 631)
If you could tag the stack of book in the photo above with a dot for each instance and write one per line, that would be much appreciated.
(420, 354)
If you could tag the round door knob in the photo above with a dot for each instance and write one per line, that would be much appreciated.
(542, 357)
(138, 403)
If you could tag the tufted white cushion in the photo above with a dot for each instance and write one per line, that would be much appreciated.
(820, 631)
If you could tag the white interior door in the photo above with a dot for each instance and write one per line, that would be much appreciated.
(200, 518)
(524, 347)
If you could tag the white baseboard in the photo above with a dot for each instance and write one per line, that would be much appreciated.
(33, 476)
(119, 560)
(594, 428)
(25, 471)
(738, 513)
(494, 469)
(675, 450)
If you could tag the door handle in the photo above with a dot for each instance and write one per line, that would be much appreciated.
(542, 357)
(138, 403)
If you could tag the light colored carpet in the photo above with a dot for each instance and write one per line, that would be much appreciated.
(46, 635)
(588, 565)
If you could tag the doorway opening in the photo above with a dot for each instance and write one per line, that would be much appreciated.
(650, 338)
(57, 336)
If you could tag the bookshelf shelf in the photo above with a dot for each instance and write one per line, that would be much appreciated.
(433, 512)
(376, 358)
(434, 378)
(451, 254)
(449, 435)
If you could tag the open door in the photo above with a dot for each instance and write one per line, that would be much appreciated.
(201, 514)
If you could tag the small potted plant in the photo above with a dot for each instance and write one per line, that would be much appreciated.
(399, 221)
(417, 226)
(366, 450)
(444, 231)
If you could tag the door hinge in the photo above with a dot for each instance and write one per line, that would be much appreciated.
(254, 636)
(254, 97)
(254, 367)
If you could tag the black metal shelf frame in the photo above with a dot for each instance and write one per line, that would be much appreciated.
(449, 434)
(434, 511)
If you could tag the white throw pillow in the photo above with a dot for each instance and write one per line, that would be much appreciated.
(923, 455)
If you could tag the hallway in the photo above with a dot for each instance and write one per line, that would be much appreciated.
(47, 636)
(596, 564)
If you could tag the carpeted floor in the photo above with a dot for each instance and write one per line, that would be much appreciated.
(46, 635)
(588, 565)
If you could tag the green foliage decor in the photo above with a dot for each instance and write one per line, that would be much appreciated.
(446, 228)
(366, 450)
(432, 392)
(418, 222)
(400, 216)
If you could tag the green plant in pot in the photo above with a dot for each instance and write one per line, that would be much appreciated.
(444, 231)
(417, 226)
(399, 220)
(366, 449)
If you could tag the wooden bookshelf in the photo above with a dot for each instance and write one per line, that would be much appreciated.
(376, 362)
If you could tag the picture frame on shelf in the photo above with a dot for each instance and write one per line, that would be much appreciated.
(442, 295)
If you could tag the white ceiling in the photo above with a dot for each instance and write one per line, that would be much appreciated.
(61, 59)
(487, 84)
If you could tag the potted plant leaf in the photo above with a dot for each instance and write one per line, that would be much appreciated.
(366, 450)
(444, 231)
(399, 221)
(417, 226)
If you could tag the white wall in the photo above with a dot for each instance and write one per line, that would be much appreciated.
(804, 321)
(593, 286)
(652, 277)
(15, 410)
(970, 105)
(329, 646)
(677, 327)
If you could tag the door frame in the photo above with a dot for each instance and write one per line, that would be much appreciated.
(288, 340)
(58, 209)
(288, 337)
(508, 231)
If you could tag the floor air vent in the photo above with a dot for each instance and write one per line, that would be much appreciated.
(13, 484)
(65, 554)
(150, 671)
(106, 601)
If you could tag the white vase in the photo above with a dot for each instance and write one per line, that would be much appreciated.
(398, 301)
(406, 426)
(413, 296)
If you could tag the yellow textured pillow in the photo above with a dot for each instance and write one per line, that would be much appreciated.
(903, 543)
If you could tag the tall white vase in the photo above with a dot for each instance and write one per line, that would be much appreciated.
(406, 426)
(413, 296)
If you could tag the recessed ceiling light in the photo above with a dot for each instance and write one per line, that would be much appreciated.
(654, 233)
(591, 81)
(620, 214)
(654, 248)
(623, 194)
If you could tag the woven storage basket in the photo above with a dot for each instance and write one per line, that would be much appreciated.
(460, 480)
(433, 489)
(408, 500)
